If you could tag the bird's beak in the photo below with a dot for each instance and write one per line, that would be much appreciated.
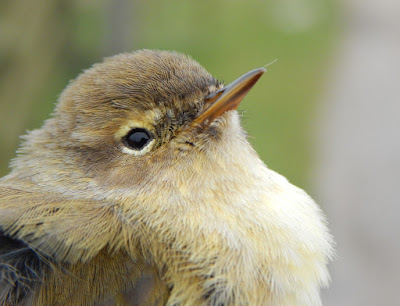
(229, 97)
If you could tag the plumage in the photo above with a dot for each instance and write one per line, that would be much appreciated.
(194, 218)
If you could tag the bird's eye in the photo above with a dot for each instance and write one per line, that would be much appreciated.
(137, 139)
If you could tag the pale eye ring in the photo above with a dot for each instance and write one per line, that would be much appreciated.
(138, 139)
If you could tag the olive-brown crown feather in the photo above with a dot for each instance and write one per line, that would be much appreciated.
(134, 83)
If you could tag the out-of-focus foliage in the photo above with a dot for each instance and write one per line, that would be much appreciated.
(45, 43)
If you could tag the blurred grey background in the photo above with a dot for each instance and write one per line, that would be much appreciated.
(326, 114)
(357, 152)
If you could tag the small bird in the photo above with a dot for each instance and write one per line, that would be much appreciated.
(142, 189)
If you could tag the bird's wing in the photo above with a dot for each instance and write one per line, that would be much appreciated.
(38, 230)
(62, 228)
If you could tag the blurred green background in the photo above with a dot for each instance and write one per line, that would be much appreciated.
(45, 43)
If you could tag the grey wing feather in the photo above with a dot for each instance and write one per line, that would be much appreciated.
(21, 271)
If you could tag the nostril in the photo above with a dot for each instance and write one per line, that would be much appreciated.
(213, 96)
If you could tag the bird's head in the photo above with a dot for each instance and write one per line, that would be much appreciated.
(147, 116)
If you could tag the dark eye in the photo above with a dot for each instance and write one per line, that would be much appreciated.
(137, 139)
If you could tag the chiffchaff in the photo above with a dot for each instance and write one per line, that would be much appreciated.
(143, 189)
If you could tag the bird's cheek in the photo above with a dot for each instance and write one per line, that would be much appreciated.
(116, 171)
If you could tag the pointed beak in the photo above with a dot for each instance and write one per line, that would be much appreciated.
(229, 97)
